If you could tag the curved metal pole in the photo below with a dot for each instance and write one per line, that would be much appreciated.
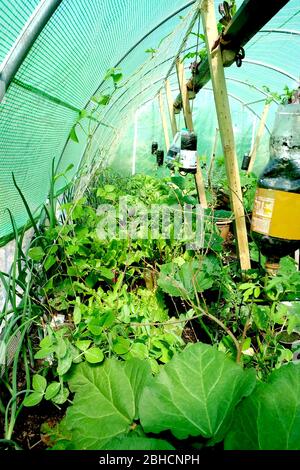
(188, 4)
(243, 103)
(282, 31)
(253, 62)
(272, 67)
(210, 90)
(174, 73)
(24, 42)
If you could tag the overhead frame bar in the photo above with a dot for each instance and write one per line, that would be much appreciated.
(272, 67)
(263, 64)
(248, 20)
(32, 29)
(204, 88)
(229, 94)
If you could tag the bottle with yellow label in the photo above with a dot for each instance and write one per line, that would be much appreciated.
(276, 213)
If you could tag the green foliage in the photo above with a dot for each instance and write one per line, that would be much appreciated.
(111, 311)
(281, 98)
(270, 418)
(195, 394)
(200, 394)
(114, 391)
(185, 278)
(54, 391)
(138, 443)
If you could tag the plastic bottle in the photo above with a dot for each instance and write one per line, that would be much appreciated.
(276, 214)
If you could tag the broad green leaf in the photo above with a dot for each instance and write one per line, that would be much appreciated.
(169, 283)
(77, 313)
(261, 316)
(109, 188)
(121, 345)
(95, 326)
(52, 390)
(61, 348)
(73, 135)
(46, 342)
(269, 419)
(107, 319)
(112, 395)
(287, 266)
(184, 280)
(94, 355)
(44, 352)
(64, 364)
(49, 262)
(139, 373)
(52, 250)
(117, 77)
(137, 443)
(195, 394)
(61, 397)
(33, 399)
(39, 383)
(102, 100)
(107, 273)
(36, 254)
(83, 344)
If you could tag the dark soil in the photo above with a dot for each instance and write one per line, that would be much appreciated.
(27, 432)
(28, 425)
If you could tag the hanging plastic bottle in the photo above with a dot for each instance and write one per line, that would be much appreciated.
(154, 148)
(188, 152)
(276, 213)
(246, 161)
(183, 150)
(160, 157)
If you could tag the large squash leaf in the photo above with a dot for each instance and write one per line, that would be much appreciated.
(195, 394)
(138, 443)
(105, 401)
(270, 418)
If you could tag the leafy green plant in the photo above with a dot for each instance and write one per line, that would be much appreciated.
(189, 397)
(195, 394)
(281, 98)
(269, 419)
(200, 396)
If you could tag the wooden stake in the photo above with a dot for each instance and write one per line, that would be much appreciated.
(259, 135)
(212, 158)
(171, 109)
(188, 118)
(164, 119)
(226, 130)
(185, 96)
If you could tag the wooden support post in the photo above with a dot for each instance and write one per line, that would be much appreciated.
(226, 130)
(171, 108)
(164, 119)
(185, 96)
(199, 181)
(259, 135)
(212, 158)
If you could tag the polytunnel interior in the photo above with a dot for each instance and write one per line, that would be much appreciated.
(65, 68)
(149, 229)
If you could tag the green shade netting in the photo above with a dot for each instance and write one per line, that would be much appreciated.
(68, 61)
